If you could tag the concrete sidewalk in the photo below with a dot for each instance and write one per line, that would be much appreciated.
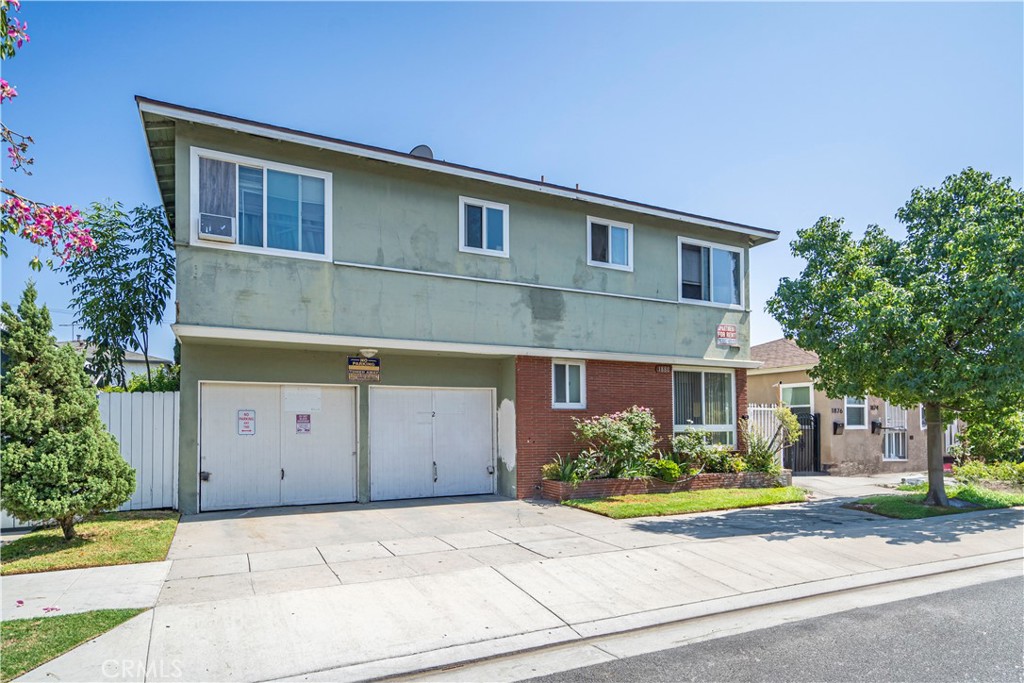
(582, 576)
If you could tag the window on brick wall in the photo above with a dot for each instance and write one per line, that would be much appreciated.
(568, 384)
(705, 400)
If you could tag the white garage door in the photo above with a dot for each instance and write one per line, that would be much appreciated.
(431, 442)
(270, 444)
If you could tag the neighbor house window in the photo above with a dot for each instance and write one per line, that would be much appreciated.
(710, 273)
(609, 244)
(257, 205)
(705, 400)
(799, 398)
(568, 384)
(856, 412)
(483, 227)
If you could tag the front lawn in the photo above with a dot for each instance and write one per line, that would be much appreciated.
(657, 504)
(911, 505)
(115, 538)
(28, 643)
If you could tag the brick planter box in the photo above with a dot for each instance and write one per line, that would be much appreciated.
(603, 488)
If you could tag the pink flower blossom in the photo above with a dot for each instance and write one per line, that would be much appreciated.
(7, 91)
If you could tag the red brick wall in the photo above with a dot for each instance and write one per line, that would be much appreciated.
(543, 431)
(603, 488)
(742, 404)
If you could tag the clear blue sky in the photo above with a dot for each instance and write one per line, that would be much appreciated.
(768, 114)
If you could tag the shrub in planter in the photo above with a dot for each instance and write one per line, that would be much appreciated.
(664, 469)
(695, 454)
(620, 443)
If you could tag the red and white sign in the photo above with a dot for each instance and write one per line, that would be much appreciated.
(303, 423)
(726, 336)
(246, 422)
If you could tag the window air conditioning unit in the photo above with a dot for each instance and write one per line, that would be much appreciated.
(216, 228)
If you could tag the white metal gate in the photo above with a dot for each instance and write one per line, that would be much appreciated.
(269, 444)
(431, 442)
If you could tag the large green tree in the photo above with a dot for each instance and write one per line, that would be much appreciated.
(121, 289)
(57, 459)
(936, 318)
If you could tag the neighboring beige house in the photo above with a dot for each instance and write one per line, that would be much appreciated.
(858, 435)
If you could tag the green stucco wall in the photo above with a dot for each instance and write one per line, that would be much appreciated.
(397, 217)
(213, 362)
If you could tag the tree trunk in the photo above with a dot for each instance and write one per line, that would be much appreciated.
(67, 525)
(936, 481)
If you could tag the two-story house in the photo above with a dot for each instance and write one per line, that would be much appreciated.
(360, 324)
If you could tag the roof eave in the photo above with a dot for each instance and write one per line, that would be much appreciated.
(756, 235)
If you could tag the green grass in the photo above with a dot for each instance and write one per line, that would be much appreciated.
(28, 643)
(911, 505)
(657, 504)
(115, 538)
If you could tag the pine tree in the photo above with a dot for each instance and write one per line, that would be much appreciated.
(57, 459)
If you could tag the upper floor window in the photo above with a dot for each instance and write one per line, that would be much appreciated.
(568, 384)
(705, 400)
(609, 244)
(483, 227)
(856, 410)
(254, 205)
(710, 273)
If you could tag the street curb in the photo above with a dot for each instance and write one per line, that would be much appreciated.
(459, 655)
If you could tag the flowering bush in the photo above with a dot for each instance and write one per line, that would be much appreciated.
(621, 443)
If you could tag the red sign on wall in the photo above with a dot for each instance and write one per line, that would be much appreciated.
(726, 336)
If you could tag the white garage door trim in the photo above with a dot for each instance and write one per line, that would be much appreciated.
(199, 425)
(492, 410)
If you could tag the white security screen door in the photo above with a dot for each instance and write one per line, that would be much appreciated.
(895, 439)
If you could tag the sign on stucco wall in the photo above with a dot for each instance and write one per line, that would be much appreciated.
(363, 369)
(726, 336)
(303, 423)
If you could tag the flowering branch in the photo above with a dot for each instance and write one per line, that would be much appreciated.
(55, 227)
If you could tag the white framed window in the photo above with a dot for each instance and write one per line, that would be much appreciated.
(609, 244)
(245, 204)
(924, 425)
(568, 384)
(799, 397)
(710, 274)
(856, 412)
(705, 400)
(483, 227)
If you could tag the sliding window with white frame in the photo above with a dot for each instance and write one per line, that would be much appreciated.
(705, 400)
(247, 204)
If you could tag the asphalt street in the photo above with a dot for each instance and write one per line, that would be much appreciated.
(968, 634)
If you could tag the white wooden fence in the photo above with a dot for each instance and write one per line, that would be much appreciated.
(146, 427)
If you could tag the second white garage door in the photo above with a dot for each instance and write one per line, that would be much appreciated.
(431, 442)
